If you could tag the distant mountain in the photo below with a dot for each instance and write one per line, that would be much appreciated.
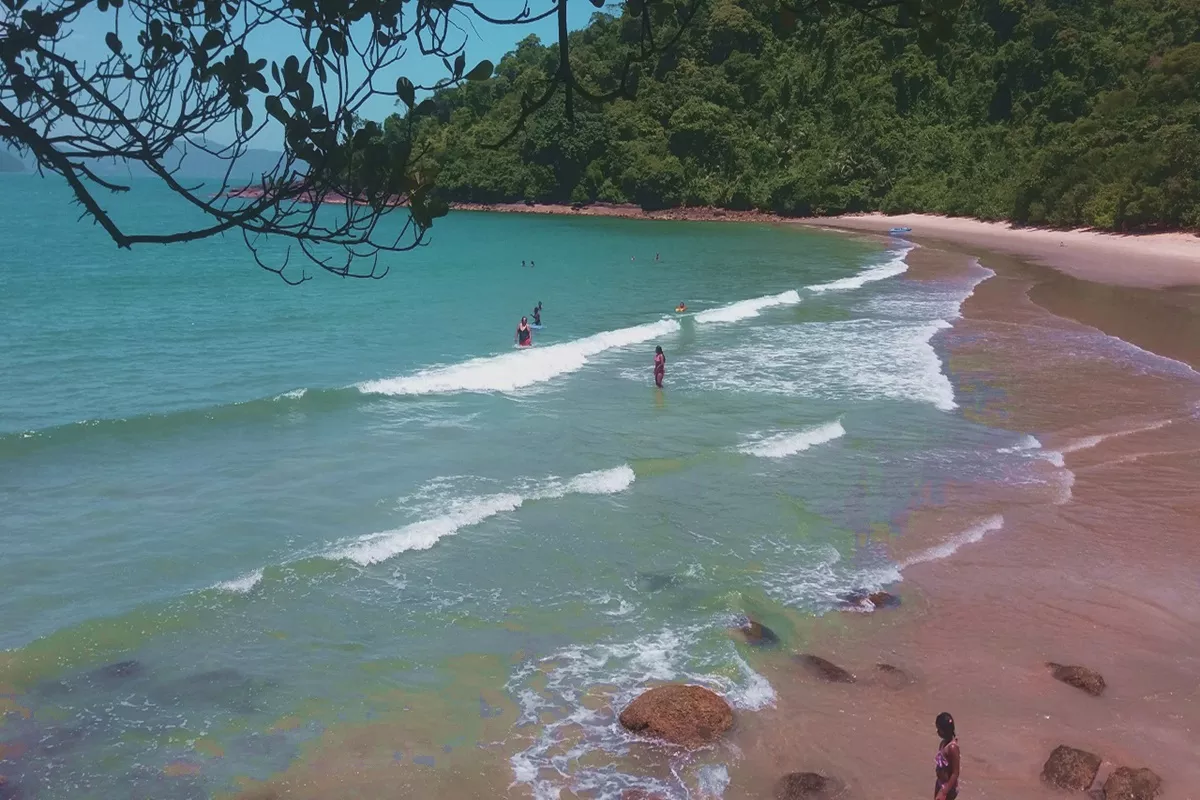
(195, 163)
(10, 163)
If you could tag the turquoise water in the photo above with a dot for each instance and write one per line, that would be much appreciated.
(267, 502)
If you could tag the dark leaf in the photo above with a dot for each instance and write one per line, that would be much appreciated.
(247, 120)
(275, 74)
(481, 71)
(275, 108)
(128, 71)
(406, 91)
(113, 42)
(212, 40)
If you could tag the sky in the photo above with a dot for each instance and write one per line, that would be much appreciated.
(484, 41)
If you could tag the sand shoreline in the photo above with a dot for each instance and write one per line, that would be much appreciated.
(1154, 260)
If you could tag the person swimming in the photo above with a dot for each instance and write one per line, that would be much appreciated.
(524, 334)
(660, 366)
(946, 763)
(682, 307)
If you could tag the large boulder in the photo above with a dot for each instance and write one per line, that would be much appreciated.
(756, 634)
(1068, 768)
(825, 670)
(808, 786)
(1132, 784)
(1083, 678)
(682, 714)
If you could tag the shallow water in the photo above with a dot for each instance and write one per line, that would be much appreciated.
(276, 507)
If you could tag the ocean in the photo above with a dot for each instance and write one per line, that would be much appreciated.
(242, 517)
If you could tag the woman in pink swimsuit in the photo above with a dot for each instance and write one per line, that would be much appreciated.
(946, 762)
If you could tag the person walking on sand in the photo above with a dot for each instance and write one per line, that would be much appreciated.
(660, 366)
(947, 761)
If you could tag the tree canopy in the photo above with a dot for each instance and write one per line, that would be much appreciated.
(1048, 112)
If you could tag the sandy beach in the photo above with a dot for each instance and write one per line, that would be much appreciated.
(1146, 260)
(1094, 569)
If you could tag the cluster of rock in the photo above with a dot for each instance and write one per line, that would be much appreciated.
(1075, 770)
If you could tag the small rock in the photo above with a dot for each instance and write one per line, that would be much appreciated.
(1068, 768)
(1126, 783)
(825, 670)
(883, 600)
(893, 677)
(808, 786)
(683, 714)
(756, 634)
(1083, 678)
(862, 600)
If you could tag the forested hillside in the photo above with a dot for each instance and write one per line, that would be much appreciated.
(1058, 112)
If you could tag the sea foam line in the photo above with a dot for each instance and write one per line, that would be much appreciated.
(788, 443)
(889, 269)
(948, 548)
(746, 309)
(511, 371)
(466, 512)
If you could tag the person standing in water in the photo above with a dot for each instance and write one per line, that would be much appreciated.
(524, 334)
(660, 366)
(947, 761)
(537, 314)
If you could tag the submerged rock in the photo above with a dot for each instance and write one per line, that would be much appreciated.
(682, 714)
(1126, 783)
(808, 786)
(1068, 768)
(640, 794)
(823, 669)
(756, 634)
(893, 677)
(1083, 678)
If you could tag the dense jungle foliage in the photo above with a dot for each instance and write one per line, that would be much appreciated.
(1049, 112)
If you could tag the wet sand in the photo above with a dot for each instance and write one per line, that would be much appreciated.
(1095, 564)
(1095, 567)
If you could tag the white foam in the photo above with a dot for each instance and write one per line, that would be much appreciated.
(745, 309)
(511, 371)
(605, 481)
(1027, 443)
(243, 584)
(842, 360)
(294, 394)
(781, 445)
(948, 548)
(712, 780)
(465, 512)
(889, 269)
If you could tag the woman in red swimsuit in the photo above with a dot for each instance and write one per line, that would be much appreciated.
(946, 762)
